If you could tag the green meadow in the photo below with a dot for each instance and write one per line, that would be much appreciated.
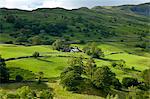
(56, 61)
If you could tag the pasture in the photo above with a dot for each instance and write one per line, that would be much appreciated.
(54, 62)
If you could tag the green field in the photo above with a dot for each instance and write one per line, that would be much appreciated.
(55, 62)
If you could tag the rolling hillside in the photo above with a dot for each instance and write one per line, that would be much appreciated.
(112, 57)
(98, 23)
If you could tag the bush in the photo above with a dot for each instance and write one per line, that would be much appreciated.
(128, 81)
(19, 78)
(120, 64)
(114, 64)
(133, 68)
(24, 92)
(45, 94)
(144, 87)
(36, 54)
(92, 50)
(116, 84)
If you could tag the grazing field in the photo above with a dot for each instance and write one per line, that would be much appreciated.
(54, 62)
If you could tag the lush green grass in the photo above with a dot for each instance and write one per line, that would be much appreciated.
(55, 62)
(51, 67)
(9, 51)
(61, 93)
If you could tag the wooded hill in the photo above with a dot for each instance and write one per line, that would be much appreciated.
(44, 25)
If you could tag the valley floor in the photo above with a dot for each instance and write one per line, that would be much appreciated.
(54, 62)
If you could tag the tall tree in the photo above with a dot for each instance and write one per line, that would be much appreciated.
(103, 77)
(71, 76)
(59, 45)
(4, 74)
(36, 40)
(90, 67)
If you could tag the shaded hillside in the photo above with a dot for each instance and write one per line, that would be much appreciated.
(142, 9)
(44, 25)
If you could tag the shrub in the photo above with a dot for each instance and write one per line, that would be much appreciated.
(19, 78)
(23, 92)
(114, 64)
(120, 64)
(116, 84)
(45, 94)
(128, 81)
(40, 77)
(112, 96)
(133, 68)
(92, 50)
(36, 54)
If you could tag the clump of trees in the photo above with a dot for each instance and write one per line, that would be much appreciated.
(60, 45)
(81, 74)
(4, 74)
(104, 78)
(33, 32)
(119, 64)
(93, 50)
(78, 74)
(71, 76)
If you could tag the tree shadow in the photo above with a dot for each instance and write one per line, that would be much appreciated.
(43, 60)
(26, 74)
(106, 59)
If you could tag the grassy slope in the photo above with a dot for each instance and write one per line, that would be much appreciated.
(52, 66)
(101, 18)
